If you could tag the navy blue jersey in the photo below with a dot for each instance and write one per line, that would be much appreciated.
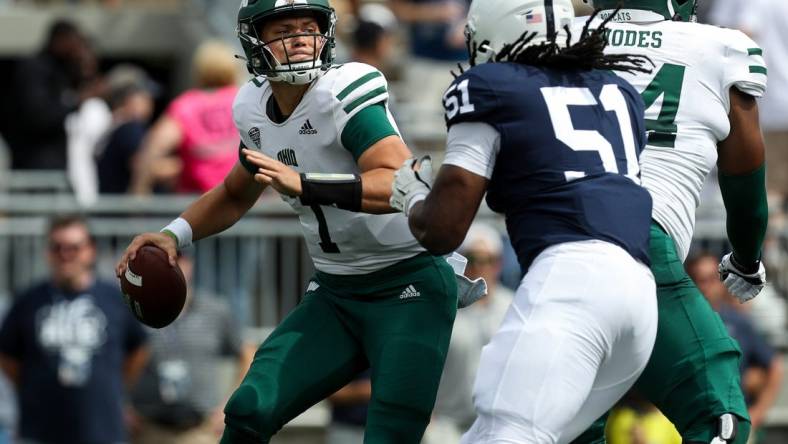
(567, 169)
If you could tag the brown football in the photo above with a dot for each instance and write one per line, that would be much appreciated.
(154, 290)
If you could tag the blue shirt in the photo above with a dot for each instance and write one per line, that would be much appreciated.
(557, 128)
(430, 39)
(71, 349)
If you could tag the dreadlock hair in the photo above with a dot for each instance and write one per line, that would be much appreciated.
(587, 53)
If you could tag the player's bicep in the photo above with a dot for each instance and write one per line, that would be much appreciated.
(388, 153)
(743, 151)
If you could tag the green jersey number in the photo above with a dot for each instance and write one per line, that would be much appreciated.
(667, 83)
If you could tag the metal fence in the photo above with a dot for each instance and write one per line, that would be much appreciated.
(260, 265)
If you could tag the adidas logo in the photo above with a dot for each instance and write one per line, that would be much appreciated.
(306, 128)
(409, 292)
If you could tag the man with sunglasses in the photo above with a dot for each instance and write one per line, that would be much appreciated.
(71, 347)
(322, 136)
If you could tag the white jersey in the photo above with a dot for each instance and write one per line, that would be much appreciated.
(687, 105)
(311, 141)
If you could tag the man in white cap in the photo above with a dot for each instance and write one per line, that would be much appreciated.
(473, 328)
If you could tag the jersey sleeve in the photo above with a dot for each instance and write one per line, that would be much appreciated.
(744, 65)
(357, 87)
(473, 146)
(470, 98)
(247, 133)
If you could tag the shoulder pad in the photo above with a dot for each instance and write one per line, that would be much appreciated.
(470, 97)
(356, 86)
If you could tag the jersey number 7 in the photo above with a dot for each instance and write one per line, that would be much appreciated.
(559, 99)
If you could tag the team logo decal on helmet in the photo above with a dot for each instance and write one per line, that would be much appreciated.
(494, 25)
(260, 59)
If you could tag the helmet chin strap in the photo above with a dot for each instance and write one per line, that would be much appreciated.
(297, 73)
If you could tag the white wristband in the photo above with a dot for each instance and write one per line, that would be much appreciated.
(182, 231)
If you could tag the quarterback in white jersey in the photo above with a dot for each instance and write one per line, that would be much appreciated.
(700, 111)
(322, 136)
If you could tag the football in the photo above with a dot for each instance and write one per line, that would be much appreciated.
(154, 290)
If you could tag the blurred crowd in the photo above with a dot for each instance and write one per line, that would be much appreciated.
(117, 129)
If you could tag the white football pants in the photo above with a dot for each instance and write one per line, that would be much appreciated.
(578, 334)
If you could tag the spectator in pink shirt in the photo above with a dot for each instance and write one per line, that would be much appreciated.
(193, 146)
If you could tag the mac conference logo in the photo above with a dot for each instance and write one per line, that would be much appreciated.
(254, 134)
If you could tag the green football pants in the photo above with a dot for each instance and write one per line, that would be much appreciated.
(693, 373)
(396, 321)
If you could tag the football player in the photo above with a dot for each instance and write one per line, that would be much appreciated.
(700, 111)
(552, 137)
(322, 136)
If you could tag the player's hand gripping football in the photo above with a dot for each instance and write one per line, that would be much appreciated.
(412, 182)
(744, 285)
(161, 240)
(272, 172)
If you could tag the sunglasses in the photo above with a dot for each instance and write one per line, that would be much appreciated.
(480, 260)
(64, 247)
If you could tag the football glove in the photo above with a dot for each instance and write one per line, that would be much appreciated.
(744, 286)
(468, 291)
(411, 186)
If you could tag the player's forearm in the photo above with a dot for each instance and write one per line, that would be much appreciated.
(214, 212)
(748, 213)
(376, 191)
(439, 235)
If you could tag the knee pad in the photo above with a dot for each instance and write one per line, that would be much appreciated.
(247, 414)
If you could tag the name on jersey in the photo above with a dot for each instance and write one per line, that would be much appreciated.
(287, 156)
(639, 39)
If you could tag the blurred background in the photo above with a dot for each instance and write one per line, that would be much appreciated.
(119, 110)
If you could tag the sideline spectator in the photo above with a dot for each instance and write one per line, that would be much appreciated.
(474, 326)
(437, 44)
(70, 345)
(131, 99)
(197, 128)
(48, 87)
(178, 399)
(373, 38)
(760, 366)
(349, 407)
(372, 42)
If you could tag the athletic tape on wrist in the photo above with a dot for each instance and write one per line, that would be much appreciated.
(182, 231)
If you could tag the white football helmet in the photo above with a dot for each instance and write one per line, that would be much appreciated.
(493, 24)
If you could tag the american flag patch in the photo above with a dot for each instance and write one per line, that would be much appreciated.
(531, 17)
